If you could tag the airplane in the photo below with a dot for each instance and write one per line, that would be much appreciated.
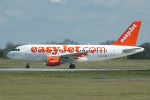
(55, 55)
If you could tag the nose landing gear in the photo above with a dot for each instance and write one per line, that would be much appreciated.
(27, 66)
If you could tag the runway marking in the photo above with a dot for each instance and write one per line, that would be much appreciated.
(92, 80)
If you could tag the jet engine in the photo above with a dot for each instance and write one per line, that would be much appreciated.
(53, 61)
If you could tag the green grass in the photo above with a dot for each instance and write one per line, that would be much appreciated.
(135, 90)
(72, 75)
(33, 85)
(109, 64)
(67, 85)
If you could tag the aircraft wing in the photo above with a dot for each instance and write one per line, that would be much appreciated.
(70, 57)
(74, 56)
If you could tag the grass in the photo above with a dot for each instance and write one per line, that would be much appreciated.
(72, 75)
(67, 85)
(109, 64)
(76, 91)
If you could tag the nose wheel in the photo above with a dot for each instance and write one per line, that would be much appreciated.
(72, 66)
(27, 66)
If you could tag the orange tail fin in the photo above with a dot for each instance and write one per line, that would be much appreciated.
(129, 37)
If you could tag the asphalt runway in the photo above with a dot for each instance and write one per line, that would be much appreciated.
(48, 69)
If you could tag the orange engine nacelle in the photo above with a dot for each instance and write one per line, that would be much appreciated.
(53, 61)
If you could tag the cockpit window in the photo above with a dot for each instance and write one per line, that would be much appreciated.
(16, 50)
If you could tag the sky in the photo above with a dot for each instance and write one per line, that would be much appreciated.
(84, 21)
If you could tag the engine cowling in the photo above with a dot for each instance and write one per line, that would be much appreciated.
(53, 61)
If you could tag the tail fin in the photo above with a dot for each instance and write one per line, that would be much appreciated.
(129, 37)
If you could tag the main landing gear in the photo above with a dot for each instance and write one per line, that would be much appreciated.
(72, 66)
(27, 66)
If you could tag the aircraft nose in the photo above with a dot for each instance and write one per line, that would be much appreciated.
(10, 55)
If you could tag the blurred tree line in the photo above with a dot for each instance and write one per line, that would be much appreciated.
(64, 42)
(143, 55)
(9, 47)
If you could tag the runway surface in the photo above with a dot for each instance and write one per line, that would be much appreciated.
(47, 69)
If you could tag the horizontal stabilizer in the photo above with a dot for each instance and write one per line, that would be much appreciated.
(137, 49)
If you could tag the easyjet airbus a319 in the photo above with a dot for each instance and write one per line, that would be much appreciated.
(55, 55)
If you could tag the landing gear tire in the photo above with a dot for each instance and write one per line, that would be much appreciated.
(27, 66)
(72, 66)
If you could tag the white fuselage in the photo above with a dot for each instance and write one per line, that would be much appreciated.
(94, 52)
